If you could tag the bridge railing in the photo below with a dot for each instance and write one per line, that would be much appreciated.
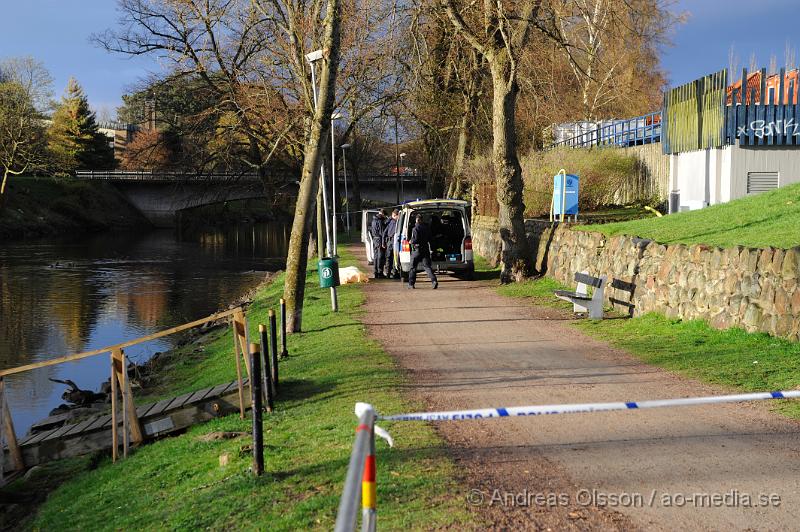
(146, 176)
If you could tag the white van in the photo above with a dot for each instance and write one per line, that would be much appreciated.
(451, 239)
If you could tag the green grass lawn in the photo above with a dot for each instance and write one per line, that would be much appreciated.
(768, 219)
(178, 483)
(731, 358)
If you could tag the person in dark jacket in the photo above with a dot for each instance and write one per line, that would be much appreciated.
(389, 239)
(376, 231)
(421, 253)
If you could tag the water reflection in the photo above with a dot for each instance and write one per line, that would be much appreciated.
(64, 296)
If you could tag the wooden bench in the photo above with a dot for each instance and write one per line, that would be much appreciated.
(580, 298)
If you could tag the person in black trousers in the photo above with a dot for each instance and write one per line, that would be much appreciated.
(421, 253)
(376, 230)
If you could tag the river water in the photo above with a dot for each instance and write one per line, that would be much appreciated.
(64, 296)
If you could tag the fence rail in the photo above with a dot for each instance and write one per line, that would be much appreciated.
(644, 129)
(757, 116)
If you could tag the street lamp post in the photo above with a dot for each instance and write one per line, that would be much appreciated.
(402, 184)
(312, 58)
(346, 196)
(334, 116)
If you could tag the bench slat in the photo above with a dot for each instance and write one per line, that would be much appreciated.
(595, 282)
(572, 295)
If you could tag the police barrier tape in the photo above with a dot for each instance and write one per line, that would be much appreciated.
(511, 411)
(362, 459)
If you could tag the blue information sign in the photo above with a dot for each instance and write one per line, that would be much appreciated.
(565, 194)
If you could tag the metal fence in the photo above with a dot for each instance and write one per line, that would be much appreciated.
(765, 113)
(644, 129)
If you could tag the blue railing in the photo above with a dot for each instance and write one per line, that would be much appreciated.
(644, 129)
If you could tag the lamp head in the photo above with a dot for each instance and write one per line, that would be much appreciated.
(314, 56)
(345, 146)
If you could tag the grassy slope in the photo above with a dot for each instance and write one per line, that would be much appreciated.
(178, 483)
(732, 358)
(768, 219)
(39, 206)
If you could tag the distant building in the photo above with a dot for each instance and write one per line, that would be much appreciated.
(119, 135)
(772, 85)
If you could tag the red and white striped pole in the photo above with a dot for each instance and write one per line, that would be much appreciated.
(368, 487)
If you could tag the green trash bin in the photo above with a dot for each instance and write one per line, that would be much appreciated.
(328, 269)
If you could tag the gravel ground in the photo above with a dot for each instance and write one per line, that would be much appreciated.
(697, 468)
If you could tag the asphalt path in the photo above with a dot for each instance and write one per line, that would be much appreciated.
(715, 467)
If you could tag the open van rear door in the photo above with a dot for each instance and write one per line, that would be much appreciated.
(366, 237)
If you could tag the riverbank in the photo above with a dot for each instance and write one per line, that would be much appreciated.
(36, 207)
(178, 482)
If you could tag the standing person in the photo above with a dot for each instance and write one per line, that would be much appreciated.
(391, 252)
(376, 230)
(421, 253)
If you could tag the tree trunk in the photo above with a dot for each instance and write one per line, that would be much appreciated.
(297, 258)
(464, 137)
(355, 190)
(515, 256)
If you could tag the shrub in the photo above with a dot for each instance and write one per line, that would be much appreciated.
(603, 172)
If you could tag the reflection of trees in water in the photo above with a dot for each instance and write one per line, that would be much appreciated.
(147, 305)
(33, 309)
(74, 306)
(256, 240)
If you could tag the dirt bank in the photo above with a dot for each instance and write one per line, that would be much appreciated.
(35, 207)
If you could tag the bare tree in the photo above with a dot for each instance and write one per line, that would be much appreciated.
(22, 144)
(33, 76)
(498, 31)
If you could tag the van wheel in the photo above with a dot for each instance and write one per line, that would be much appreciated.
(469, 275)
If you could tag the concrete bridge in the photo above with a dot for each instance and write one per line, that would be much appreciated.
(160, 196)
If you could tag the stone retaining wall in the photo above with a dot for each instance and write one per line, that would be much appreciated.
(756, 289)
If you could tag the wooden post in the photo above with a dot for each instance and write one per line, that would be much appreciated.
(238, 367)
(2, 434)
(8, 435)
(114, 430)
(240, 335)
(267, 374)
(131, 428)
(284, 350)
(273, 343)
(255, 397)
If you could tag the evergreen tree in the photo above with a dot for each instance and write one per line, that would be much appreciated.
(74, 139)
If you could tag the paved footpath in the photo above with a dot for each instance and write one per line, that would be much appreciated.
(464, 346)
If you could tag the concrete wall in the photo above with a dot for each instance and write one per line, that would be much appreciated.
(756, 289)
(718, 175)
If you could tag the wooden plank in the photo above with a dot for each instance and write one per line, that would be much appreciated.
(10, 436)
(94, 352)
(178, 402)
(39, 437)
(199, 395)
(99, 423)
(80, 427)
(57, 433)
(159, 407)
(142, 411)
